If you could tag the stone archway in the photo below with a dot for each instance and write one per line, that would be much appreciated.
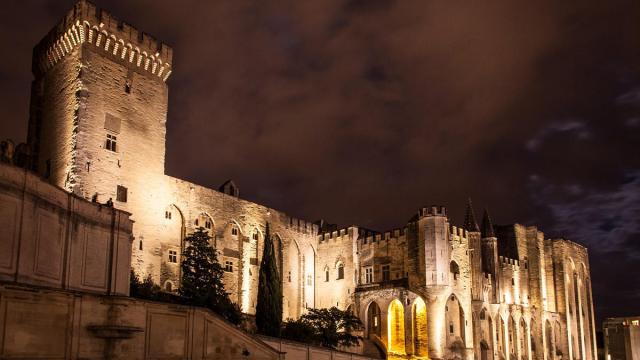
(420, 330)
(485, 351)
(454, 321)
(395, 328)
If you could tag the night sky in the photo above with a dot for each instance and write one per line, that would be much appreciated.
(362, 111)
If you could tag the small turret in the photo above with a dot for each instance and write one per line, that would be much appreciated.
(487, 226)
(470, 223)
(490, 264)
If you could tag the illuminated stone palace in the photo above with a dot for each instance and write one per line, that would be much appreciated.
(429, 289)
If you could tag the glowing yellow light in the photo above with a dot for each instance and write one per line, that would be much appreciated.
(395, 328)
(420, 339)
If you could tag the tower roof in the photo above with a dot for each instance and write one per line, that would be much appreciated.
(470, 223)
(487, 226)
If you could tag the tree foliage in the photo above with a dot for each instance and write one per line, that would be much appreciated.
(269, 306)
(143, 289)
(202, 277)
(325, 327)
(201, 283)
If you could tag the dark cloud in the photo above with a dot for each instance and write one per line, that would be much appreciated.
(362, 111)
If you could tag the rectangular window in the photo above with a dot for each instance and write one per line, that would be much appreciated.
(110, 144)
(173, 256)
(289, 276)
(386, 276)
(309, 281)
(255, 236)
(234, 231)
(228, 266)
(368, 275)
(121, 194)
(326, 275)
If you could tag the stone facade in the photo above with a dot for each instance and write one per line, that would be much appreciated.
(429, 289)
(622, 338)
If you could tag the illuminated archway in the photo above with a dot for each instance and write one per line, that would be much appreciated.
(395, 328)
(420, 340)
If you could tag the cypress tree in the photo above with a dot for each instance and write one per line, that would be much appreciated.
(269, 306)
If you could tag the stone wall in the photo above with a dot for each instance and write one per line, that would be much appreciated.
(51, 238)
(297, 351)
(56, 324)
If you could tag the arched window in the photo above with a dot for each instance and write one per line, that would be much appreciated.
(373, 320)
(168, 286)
(203, 220)
(326, 273)
(340, 271)
(454, 269)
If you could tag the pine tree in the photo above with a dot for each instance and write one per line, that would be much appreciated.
(202, 277)
(269, 306)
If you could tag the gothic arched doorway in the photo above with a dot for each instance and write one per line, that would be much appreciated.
(420, 344)
(395, 328)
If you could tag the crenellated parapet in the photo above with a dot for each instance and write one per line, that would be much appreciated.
(336, 235)
(432, 211)
(459, 234)
(303, 226)
(87, 24)
(508, 262)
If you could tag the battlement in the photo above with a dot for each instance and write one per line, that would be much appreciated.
(507, 261)
(334, 235)
(303, 226)
(377, 238)
(87, 23)
(432, 211)
(459, 232)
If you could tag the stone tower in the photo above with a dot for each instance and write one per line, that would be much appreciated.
(99, 107)
(434, 235)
